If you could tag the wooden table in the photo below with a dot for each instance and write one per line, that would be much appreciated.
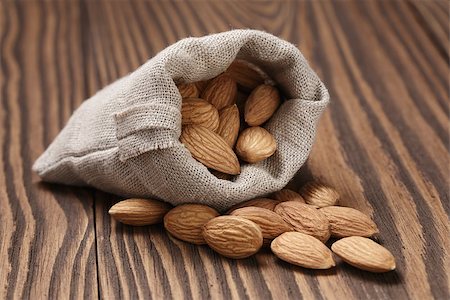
(382, 143)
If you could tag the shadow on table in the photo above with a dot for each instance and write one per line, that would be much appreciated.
(301, 177)
(65, 195)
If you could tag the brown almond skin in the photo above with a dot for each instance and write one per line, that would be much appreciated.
(302, 250)
(196, 111)
(201, 85)
(318, 194)
(186, 222)
(346, 221)
(245, 75)
(210, 149)
(255, 144)
(305, 218)
(287, 195)
(229, 124)
(233, 237)
(271, 224)
(261, 104)
(139, 212)
(188, 90)
(221, 91)
(257, 202)
(365, 254)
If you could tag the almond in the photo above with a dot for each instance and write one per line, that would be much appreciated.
(139, 212)
(221, 91)
(210, 149)
(287, 195)
(233, 237)
(245, 74)
(188, 90)
(199, 112)
(365, 254)
(261, 104)
(302, 250)
(257, 202)
(304, 218)
(186, 222)
(346, 221)
(255, 144)
(271, 224)
(318, 194)
(229, 124)
(201, 85)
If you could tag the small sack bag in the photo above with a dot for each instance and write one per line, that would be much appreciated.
(125, 139)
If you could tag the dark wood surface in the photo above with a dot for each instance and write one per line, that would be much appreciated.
(382, 143)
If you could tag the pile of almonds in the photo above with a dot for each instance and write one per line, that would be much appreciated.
(222, 118)
(294, 225)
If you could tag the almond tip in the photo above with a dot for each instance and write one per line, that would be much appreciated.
(332, 263)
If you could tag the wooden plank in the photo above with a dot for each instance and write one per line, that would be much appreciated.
(47, 237)
(433, 17)
(374, 144)
(382, 144)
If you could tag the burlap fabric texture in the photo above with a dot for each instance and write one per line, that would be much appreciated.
(125, 139)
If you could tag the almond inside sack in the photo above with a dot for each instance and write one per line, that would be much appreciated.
(125, 139)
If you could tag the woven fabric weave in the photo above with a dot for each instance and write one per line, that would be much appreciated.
(125, 139)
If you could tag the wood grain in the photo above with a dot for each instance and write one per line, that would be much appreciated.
(382, 143)
(47, 240)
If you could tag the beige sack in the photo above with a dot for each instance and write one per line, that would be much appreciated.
(124, 139)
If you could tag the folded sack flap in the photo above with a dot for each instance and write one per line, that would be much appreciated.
(146, 127)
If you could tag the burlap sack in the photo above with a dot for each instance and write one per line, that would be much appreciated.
(125, 139)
